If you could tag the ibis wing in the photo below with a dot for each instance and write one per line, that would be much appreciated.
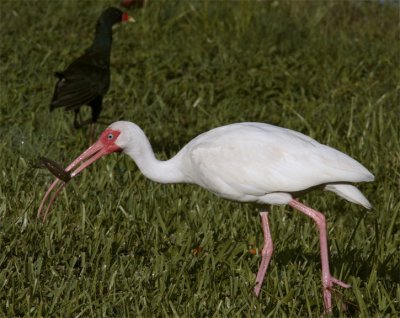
(259, 161)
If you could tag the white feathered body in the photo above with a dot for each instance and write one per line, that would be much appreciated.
(250, 162)
(265, 163)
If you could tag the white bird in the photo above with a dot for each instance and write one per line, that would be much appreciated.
(247, 162)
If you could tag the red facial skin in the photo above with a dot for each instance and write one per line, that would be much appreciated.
(104, 146)
(125, 17)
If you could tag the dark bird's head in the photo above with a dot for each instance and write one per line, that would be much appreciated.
(104, 26)
(112, 15)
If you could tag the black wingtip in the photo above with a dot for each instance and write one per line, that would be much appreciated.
(52, 106)
(58, 75)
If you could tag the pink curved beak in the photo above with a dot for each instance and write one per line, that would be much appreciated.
(93, 153)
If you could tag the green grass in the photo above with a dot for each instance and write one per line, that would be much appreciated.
(118, 245)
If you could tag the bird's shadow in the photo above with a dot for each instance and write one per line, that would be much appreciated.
(353, 259)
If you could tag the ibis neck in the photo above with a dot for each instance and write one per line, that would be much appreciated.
(169, 171)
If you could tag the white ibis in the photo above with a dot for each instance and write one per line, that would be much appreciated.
(247, 162)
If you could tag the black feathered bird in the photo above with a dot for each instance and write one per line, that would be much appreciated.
(87, 79)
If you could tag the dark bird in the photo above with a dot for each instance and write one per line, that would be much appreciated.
(87, 79)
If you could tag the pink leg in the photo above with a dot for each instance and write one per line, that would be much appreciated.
(265, 254)
(327, 279)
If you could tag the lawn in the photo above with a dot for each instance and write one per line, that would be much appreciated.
(119, 245)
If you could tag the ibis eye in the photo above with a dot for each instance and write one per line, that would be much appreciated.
(110, 136)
